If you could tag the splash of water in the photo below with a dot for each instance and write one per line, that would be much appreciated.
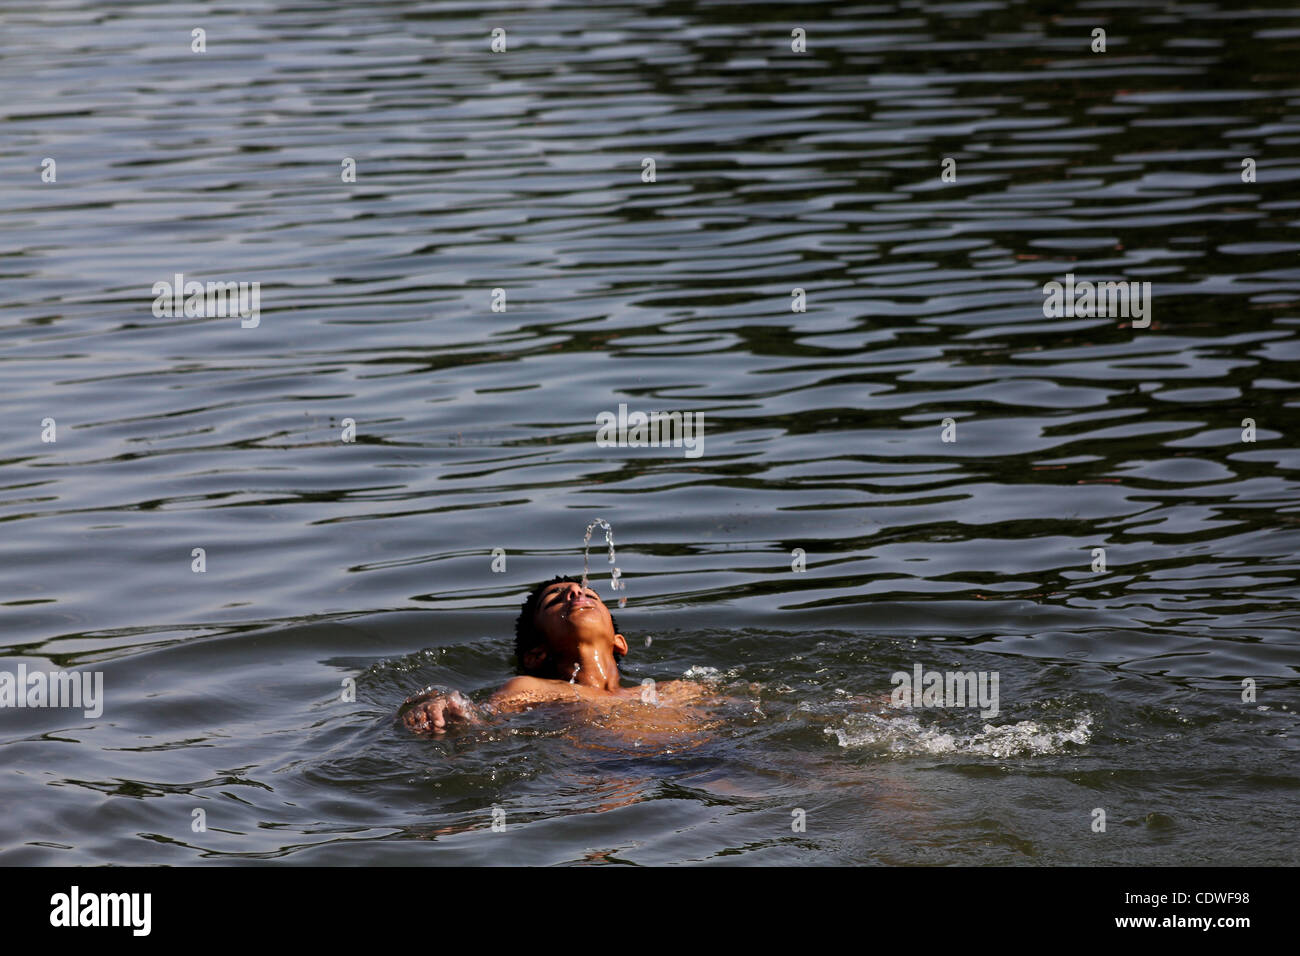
(576, 668)
(615, 583)
(906, 735)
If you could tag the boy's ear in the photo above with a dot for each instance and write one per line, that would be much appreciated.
(620, 644)
(534, 659)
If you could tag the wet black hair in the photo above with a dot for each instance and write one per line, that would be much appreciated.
(527, 636)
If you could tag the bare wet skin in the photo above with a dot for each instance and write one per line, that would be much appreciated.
(679, 716)
(665, 716)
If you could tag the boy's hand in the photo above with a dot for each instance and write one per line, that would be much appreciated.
(434, 710)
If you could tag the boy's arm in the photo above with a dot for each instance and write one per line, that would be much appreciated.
(434, 710)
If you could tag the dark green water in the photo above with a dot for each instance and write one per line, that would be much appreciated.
(371, 560)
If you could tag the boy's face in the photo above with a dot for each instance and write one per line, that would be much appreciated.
(567, 615)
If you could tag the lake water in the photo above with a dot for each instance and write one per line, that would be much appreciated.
(370, 560)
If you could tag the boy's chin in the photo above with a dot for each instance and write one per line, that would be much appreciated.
(584, 618)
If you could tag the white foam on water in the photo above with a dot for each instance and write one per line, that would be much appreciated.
(701, 673)
(907, 735)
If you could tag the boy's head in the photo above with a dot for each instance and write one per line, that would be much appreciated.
(557, 616)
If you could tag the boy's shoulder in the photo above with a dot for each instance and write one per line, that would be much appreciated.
(524, 684)
(524, 690)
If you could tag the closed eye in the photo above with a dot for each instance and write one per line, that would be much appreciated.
(558, 595)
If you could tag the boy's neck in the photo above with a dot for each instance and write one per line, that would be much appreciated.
(595, 667)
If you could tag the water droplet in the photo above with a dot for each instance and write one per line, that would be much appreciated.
(615, 583)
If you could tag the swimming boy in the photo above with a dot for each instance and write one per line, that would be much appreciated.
(568, 647)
